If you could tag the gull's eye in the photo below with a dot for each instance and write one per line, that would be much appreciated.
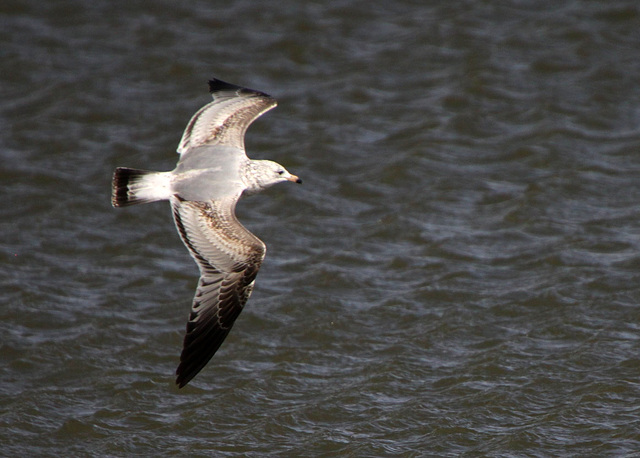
(280, 172)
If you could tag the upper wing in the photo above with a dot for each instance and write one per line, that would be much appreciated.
(225, 120)
(229, 257)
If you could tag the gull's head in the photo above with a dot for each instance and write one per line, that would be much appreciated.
(267, 173)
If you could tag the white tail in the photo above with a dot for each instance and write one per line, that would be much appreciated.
(133, 186)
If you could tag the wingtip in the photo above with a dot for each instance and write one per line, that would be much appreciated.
(182, 379)
(216, 85)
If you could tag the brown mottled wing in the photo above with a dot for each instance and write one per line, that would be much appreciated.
(225, 120)
(229, 257)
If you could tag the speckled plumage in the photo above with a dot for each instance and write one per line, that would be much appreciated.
(212, 174)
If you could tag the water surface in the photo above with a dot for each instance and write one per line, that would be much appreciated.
(458, 274)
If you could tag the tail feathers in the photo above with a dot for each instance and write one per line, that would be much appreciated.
(133, 186)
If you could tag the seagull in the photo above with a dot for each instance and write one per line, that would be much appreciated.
(213, 172)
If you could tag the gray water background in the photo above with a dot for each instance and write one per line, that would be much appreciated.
(457, 276)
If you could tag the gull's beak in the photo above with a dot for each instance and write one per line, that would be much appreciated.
(295, 179)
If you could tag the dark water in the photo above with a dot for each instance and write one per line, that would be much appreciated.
(458, 274)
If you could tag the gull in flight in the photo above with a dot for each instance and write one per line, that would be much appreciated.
(213, 172)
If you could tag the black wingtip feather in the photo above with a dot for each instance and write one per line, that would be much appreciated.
(195, 355)
(216, 85)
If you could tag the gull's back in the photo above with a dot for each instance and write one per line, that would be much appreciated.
(209, 172)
